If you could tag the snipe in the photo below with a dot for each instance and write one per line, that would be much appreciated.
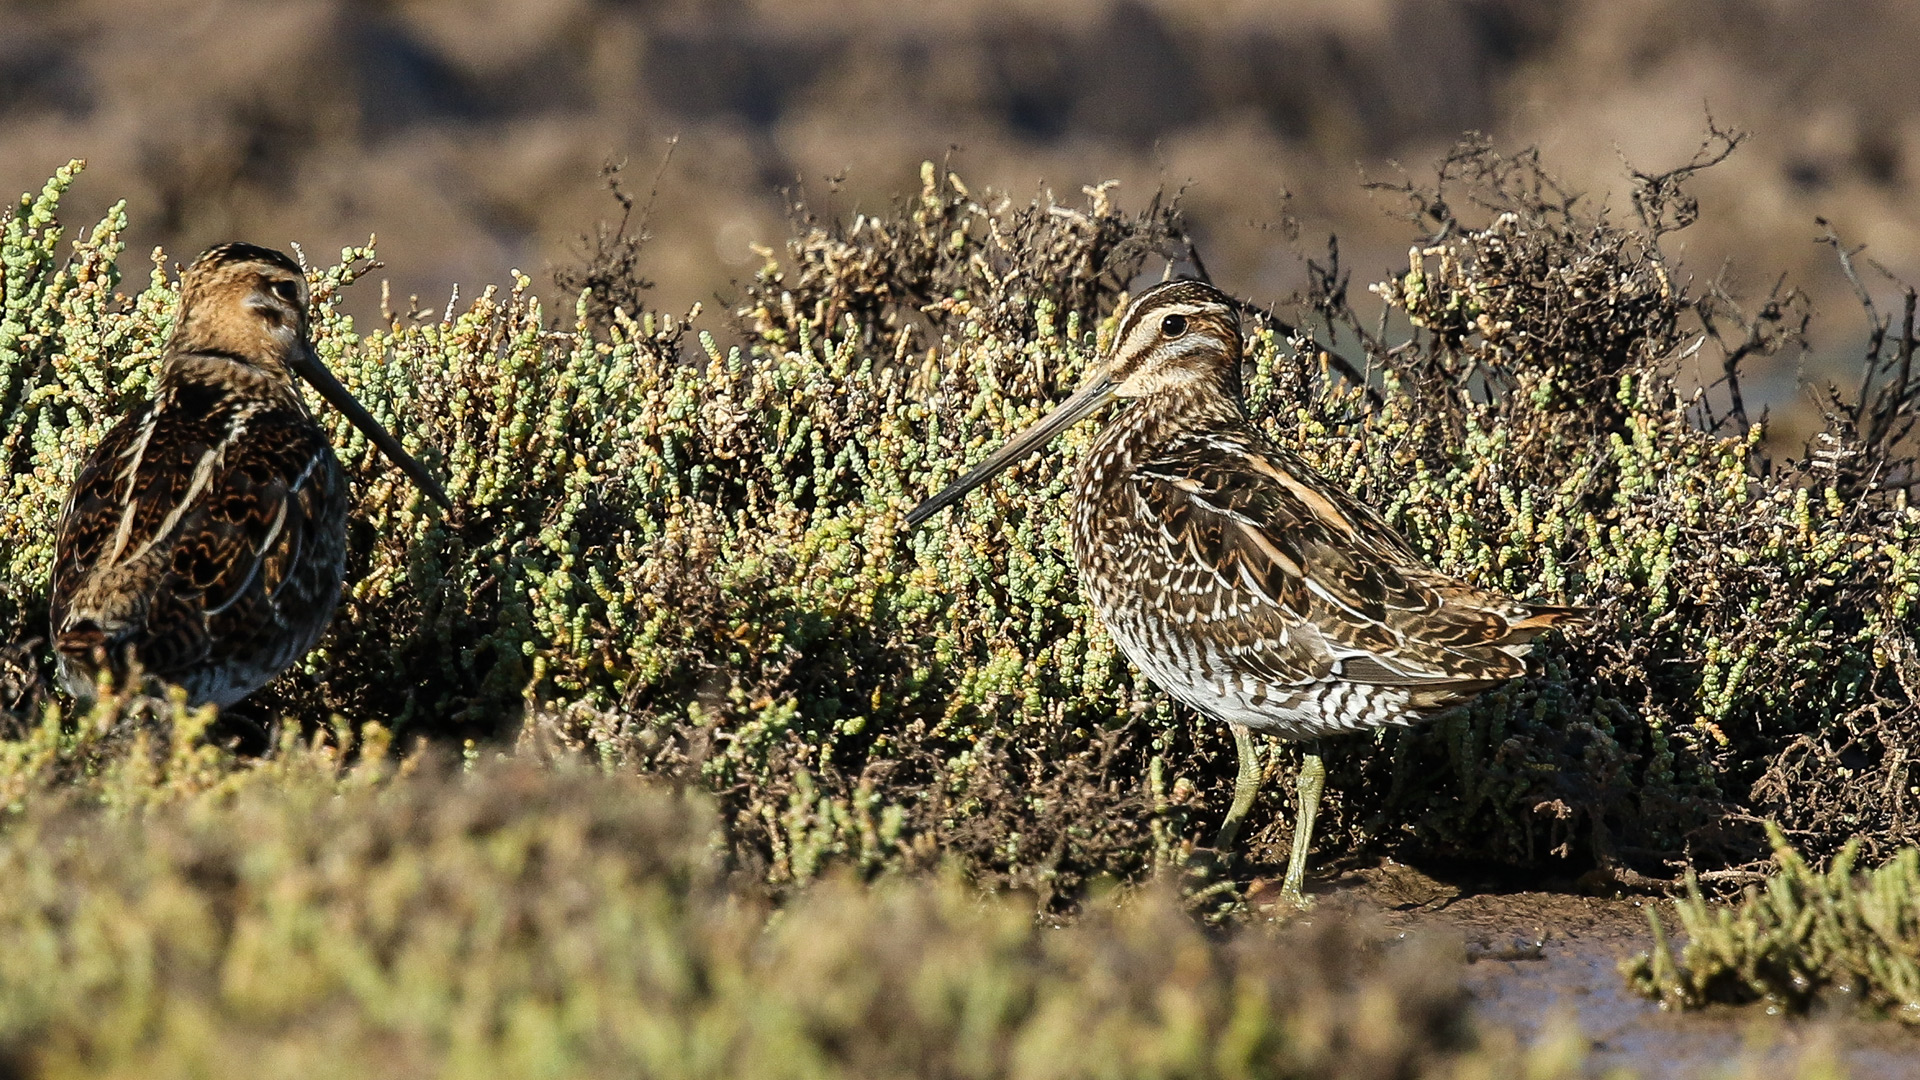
(205, 537)
(1239, 580)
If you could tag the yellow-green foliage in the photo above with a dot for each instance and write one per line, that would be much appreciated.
(1808, 935)
(689, 558)
(173, 911)
(685, 560)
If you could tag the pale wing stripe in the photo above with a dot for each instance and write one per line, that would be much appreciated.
(202, 475)
(306, 473)
(259, 556)
(273, 535)
(130, 476)
(139, 448)
(1322, 508)
(1320, 591)
(293, 565)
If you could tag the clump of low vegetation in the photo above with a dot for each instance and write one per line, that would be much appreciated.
(686, 558)
(1807, 937)
(947, 259)
(1536, 431)
(747, 772)
(175, 910)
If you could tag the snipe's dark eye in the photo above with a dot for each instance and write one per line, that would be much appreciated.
(286, 290)
(1173, 325)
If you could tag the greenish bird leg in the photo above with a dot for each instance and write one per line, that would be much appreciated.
(1310, 783)
(1245, 786)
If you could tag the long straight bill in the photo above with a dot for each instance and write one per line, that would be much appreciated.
(1084, 400)
(316, 373)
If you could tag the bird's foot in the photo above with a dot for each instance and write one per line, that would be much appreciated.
(1292, 896)
(1210, 892)
(1206, 868)
(1269, 898)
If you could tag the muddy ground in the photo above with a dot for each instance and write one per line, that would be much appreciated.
(1534, 958)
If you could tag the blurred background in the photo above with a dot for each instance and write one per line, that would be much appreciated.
(470, 134)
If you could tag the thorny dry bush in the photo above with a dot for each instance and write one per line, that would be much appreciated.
(1755, 656)
(607, 277)
(944, 261)
(690, 561)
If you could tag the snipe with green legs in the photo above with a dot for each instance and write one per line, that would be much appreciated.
(205, 537)
(1240, 581)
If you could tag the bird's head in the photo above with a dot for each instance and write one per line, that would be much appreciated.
(244, 325)
(246, 305)
(1177, 336)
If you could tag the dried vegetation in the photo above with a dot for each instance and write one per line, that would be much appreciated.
(1535, 429)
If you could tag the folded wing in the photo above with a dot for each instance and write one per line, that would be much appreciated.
(1297, 580)
(186, 537)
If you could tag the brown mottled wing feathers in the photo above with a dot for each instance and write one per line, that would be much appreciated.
(1297, 544)
(250, 527)
(216, 570)
(91, 517)
(1293, 551)
(1205, 517)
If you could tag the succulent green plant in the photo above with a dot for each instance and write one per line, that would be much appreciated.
(687, 558)
(173, 909)
(1808, 935)
(744, 699)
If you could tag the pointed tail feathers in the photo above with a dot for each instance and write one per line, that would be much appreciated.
(1542, 618)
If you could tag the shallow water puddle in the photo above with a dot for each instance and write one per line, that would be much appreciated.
(1535, 957)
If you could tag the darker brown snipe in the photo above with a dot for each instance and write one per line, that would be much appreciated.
(1239, 580)
(205, 538)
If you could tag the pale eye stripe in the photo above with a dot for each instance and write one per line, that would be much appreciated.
(1146, 328)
